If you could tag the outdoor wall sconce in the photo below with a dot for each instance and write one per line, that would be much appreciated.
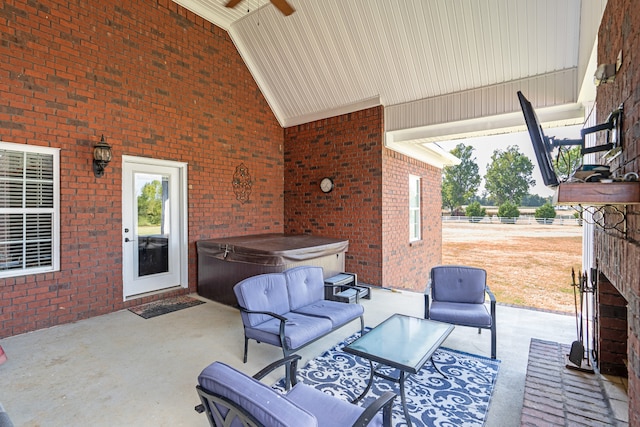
(606, 73)
(101, 157)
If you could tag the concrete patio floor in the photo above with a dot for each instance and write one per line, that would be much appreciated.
(122, 370)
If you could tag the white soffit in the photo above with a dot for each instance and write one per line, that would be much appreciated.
(215, 11)
(483, 109)
(551, 117)
(430, 153)
(335, 56)
(420, 143)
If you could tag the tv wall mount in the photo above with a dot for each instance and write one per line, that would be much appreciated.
(607, 217)
(613, 126)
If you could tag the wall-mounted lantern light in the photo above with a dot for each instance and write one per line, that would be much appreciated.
(101, 157)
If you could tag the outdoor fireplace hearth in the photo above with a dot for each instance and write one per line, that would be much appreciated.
(610, 325)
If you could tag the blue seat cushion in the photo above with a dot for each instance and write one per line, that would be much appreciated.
(299, 330)
(305, 284)
(454, 283)
(265, 404)
(463, 314)
(338, 312)
(328, 410)
(266, 292)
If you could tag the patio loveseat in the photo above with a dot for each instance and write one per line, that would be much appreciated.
(231, 398)
(289, 309)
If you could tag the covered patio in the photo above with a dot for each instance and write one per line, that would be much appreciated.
(187, 89)
(121, 369)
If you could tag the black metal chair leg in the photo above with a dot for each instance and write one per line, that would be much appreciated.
(493, 342)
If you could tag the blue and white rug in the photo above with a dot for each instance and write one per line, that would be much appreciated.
(462, 399)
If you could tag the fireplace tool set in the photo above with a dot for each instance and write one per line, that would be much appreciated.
(579, 357)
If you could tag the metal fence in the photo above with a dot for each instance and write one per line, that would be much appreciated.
(523, 220)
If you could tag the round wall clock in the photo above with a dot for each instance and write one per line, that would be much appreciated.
(326, 185)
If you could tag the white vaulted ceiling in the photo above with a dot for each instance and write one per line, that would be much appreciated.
(439, 67)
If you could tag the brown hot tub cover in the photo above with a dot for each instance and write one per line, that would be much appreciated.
(224, 262)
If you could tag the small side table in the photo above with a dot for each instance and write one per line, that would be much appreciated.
(344, 287)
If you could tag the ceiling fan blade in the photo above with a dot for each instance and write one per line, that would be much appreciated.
(232, 3)
(283, 7)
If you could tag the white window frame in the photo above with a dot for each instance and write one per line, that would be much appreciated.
(415, 213)
(54, 211)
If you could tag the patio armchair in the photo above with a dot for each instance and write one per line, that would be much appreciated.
(231, 398)
(456, 294)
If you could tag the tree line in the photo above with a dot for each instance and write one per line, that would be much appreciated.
(507, 183)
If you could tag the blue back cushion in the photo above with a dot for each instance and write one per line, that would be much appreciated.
(265, 404)
(453, 283)
(265, 292)
(306, 285)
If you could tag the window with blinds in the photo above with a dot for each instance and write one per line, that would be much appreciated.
(29, 211)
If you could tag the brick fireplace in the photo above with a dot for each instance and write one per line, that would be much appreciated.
(617, 252)
(610, 328)
(617, 308)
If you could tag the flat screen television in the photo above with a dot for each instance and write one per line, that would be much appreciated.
(541, 144)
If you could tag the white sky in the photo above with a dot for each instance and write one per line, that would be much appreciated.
(486, 145)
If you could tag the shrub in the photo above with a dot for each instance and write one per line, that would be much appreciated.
(475, 209)
(545, 211)
(508, 210)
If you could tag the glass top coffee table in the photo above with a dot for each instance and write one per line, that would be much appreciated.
(402, 342)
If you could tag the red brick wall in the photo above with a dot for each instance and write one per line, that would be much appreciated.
(157, 81)
(370, 202)
(618, 255)
(348, 149)
(407, 264)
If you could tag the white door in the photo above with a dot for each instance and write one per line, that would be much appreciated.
(154, 218)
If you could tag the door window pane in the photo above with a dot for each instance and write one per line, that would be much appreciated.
(152, 225)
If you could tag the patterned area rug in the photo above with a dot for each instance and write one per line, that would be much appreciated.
(167, 305)
(462, 399)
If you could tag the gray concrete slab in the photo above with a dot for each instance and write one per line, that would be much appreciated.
(122, 370)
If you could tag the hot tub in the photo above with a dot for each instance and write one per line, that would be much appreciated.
(224, 262)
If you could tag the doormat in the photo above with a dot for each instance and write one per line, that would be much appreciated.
(167, 305)
(461, 399)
